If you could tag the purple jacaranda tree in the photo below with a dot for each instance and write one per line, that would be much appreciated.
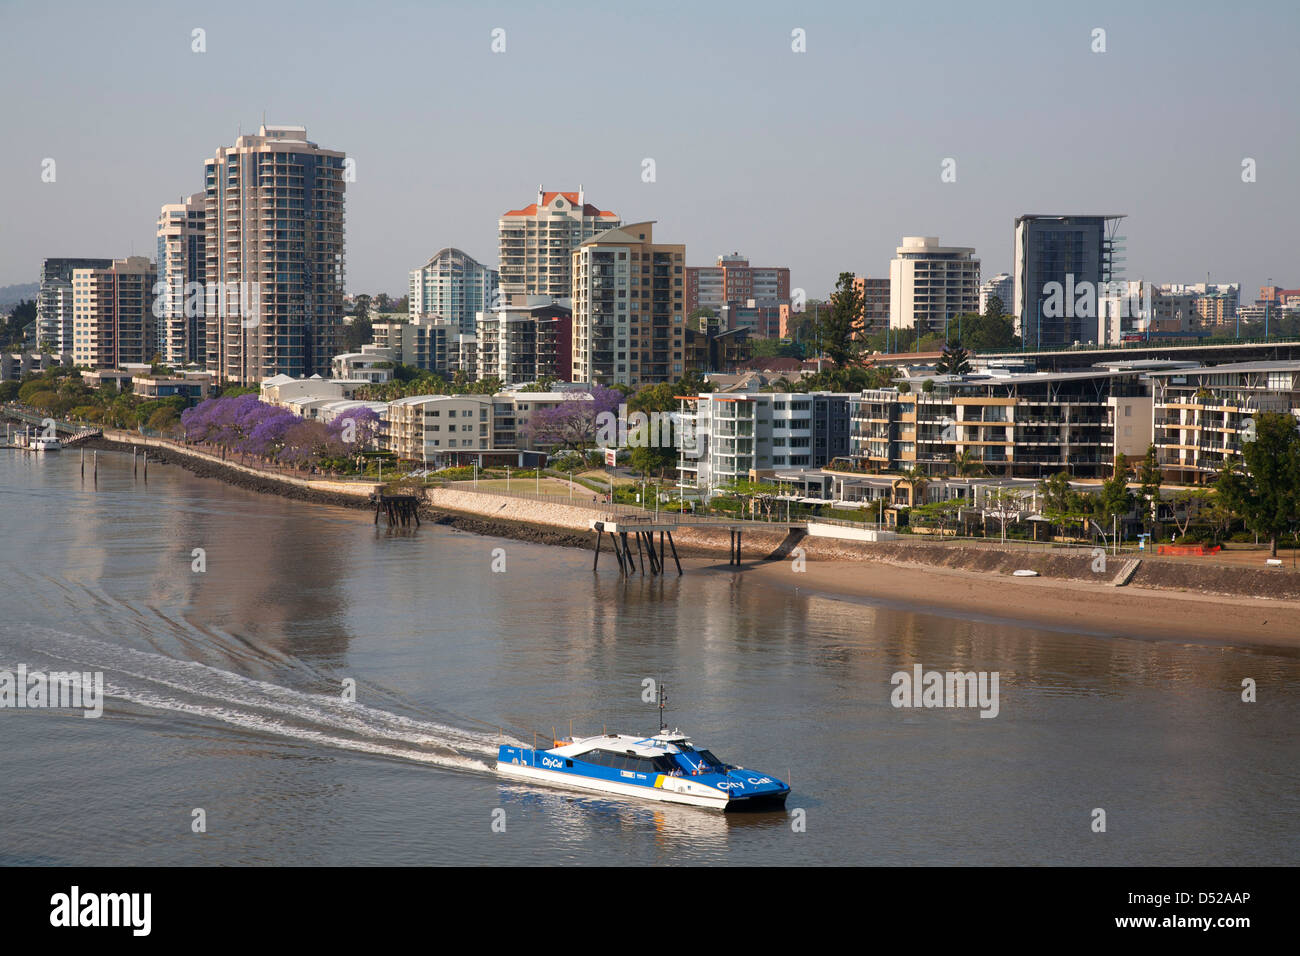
(304, 442)
(355, 429)
(573, 422)
(267, 436)
(241, 424)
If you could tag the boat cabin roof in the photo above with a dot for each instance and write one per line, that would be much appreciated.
(655, 746)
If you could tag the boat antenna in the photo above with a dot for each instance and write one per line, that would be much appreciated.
(663, 699)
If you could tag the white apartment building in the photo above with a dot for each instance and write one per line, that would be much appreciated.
(736, 437)
(537, 243)
(1001, 285)
(182, 332)
(454, 287)
(930, 283)
(372, 364)
(422, 341)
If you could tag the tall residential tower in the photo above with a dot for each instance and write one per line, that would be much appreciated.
(629, 303)
(182, 335)
(538, 241)
(454, 287)
(1071, 251)
(274, 254)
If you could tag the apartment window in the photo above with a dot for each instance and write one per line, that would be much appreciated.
(1128, 411)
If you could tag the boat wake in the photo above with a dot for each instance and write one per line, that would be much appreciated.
(136, 679)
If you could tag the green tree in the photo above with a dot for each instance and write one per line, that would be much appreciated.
(1115, 500)
(1268, 495)
(839, 327)
(20, 316)
(985, 333)
(1148, 476)
(954, 361)
(654, 457)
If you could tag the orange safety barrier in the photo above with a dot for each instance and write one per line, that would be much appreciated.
(1197, 549)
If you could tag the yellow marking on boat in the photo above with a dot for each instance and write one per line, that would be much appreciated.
(659, 781)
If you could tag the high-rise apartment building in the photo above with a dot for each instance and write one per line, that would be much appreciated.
(1001, 285)
(930, 284)
(54, 301)
(537, 243)
(522, 344)
(113, 320)
(454, 287)
(875, 303)
(179, 299)
(734, 280)
(273, 216)
(1068, 251)
(628, 308)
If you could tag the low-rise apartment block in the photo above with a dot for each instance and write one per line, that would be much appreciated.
(1202, 414)
(733, 437)
(1018, 425)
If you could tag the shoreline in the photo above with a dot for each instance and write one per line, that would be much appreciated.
(971, 582)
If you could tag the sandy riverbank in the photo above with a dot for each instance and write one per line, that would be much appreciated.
(1076, 606)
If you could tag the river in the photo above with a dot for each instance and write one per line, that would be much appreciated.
(225, 703)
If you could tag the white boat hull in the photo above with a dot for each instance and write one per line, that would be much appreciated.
(716, 800)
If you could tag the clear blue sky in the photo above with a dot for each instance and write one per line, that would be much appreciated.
(820, 161)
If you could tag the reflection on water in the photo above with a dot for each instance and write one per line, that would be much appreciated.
(229, 693)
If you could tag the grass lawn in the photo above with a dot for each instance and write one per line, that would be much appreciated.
(602, 476)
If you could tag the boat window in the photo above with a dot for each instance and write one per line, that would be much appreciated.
(711, 763)
(601, 758)
(664, 764)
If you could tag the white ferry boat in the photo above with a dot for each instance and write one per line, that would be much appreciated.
(666, 767)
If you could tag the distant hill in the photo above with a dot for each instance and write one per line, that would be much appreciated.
(11, 295)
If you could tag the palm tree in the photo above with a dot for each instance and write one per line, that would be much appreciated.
(967, 464)
(916, 481)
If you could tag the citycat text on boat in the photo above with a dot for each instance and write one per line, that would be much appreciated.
(666, 767)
